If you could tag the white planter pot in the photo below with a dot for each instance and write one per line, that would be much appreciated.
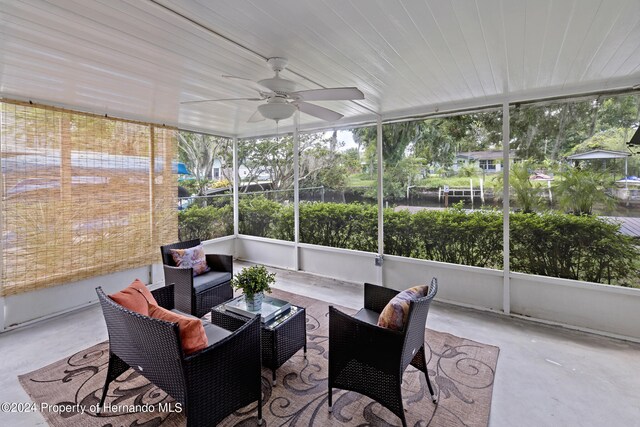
(255, 303)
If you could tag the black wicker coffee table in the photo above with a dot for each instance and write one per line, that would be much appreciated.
(281, 337)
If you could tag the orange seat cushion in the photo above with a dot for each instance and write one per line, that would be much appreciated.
(136, 297)
(192, 334)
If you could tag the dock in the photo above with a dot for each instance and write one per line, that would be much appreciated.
(629, 226)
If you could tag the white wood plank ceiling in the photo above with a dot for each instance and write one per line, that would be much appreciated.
(140, 58)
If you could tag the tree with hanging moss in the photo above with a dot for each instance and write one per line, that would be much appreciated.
(199, 153)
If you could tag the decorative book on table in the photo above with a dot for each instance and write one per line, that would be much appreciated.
(271, 307)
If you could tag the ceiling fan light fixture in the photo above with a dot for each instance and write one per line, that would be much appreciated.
(283, 99)
(277, 111)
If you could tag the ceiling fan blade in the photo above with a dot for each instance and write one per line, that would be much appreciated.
(330, 94)
(255, 117)
(254, 85)
(318, 111)
(221, 99)
(228, 76)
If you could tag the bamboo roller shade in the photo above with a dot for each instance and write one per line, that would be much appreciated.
(82, 195)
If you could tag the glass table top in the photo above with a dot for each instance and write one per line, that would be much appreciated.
(274, 311)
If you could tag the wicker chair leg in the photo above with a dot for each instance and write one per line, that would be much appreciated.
(330, 398)
(260, 406)
(104, 394)
(434, 398)
(114, 370)
(403, 419)
(401, 414)
(423, 358)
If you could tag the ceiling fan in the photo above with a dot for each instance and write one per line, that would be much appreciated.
(282, 99)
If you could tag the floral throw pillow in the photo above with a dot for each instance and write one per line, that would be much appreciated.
(394, 315)
(191, 258)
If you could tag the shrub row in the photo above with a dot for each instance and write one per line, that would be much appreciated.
(584, 247)
(205, 223)
(551, 244)
(452, 235)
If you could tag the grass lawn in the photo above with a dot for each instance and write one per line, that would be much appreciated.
(360, 180)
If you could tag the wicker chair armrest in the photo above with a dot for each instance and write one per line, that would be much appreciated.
(183, 292)
(351, 334)
(232, 358)
(220, 262)
(177, 275)
(224, 320)
(225, 376)
(164, 296)
(377, 297)
(244, 331)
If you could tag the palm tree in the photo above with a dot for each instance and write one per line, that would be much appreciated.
(523, 192)
(526, 195)
(580, 189)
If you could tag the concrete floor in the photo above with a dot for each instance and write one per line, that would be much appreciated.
(546, 376)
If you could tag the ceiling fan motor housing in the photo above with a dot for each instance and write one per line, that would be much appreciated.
(277, 64)
(278, 85)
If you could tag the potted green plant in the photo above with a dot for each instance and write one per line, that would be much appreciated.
(254, 281)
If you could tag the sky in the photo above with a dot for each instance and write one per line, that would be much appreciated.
(344, 136)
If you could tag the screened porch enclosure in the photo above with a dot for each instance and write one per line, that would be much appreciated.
(96, 98)
(356, 240)
(470, 158)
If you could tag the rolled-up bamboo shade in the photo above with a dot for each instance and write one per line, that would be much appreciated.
(82, 195)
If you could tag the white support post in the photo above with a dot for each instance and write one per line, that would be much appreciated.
(626, 181)
(166, 175)
(380, 203)
(296, 189)
(2, 144)
(2, 315)
(236, 186)
(626, 173)
(506, 294)
(152, 193)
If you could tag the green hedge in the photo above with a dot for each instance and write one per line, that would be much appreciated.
(348, 226)
(262, 217)
(551, 244)
(205, 223)
(453, 236)
(584, 247)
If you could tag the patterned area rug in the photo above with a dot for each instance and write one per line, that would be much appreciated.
(461, 370)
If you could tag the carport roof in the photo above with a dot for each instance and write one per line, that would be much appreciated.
(599, 154)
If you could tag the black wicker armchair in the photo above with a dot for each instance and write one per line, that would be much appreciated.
(371, 360)
(210, 383)
(197, 295)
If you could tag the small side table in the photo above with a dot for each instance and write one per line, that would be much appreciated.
(281, 337)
